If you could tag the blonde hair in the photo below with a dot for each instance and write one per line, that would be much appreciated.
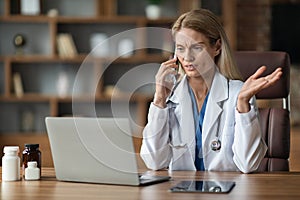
(205, 22)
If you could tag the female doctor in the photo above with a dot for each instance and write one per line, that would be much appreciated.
(208, 120)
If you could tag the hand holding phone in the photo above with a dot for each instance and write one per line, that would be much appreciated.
(171, 78)
(165, 83)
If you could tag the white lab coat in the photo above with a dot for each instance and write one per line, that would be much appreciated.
(169, 136)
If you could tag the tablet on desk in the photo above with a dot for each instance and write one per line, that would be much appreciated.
(219, 187)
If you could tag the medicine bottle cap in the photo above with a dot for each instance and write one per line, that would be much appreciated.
(34, 146)
(8, 149)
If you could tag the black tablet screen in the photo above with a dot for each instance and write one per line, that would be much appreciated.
(204, 186)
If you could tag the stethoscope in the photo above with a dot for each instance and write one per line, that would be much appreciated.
(216, 143)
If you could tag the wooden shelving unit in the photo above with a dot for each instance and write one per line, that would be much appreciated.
(40, 65)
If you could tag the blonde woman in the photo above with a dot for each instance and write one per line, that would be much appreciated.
(208, 120)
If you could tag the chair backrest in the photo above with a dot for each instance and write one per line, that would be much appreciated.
(275, 121)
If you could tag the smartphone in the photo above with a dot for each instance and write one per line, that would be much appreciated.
(216, 187)
(173, 78)
(177, 63)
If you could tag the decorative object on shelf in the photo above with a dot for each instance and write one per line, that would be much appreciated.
(62, 84)
(153, 9)
(112, 90)
(65, 45)
(27, 120)
(19, 42)
(99, 45)
(125, 48)
(30, 7)
(52, 12)
(18, 85)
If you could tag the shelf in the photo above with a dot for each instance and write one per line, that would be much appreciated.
(37, 37)
(17, 116)
(26, 19)
(88, 20)
(69, 99)
(26, 98)
(99, 20)
(43, 58)
(155, 57)
(41, 68)
(50, 59)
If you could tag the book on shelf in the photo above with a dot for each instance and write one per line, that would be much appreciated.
(65, 45)
(18, 86)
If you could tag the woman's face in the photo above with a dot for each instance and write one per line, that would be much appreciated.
(195, 53)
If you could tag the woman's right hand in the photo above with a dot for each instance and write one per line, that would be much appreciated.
(163, 87)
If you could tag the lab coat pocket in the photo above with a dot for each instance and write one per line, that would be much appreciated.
(228, 137)
(182, 158)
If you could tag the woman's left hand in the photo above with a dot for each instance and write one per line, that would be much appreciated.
(255, 84)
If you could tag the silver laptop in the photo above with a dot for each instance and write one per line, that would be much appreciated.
(95, 150)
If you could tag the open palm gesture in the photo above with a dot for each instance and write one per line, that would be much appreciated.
(255, 84)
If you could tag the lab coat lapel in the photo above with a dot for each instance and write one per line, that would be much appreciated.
(184, 113)
(218, 93)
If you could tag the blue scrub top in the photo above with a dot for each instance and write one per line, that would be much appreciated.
(198, 121)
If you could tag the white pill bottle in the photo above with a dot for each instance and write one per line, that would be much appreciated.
(11, 164)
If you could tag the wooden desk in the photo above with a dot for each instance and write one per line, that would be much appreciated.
(265, 186)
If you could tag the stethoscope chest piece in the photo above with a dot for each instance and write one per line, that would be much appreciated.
(215, 145)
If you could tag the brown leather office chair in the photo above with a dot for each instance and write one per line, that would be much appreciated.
(275, 121)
